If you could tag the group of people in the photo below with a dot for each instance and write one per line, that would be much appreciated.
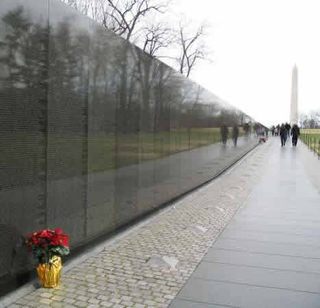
(284, 131)
(224, 132)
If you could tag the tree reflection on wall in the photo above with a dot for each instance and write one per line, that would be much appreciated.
(88, 127)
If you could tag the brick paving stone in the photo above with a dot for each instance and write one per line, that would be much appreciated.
(82, 298)
(115, 300)
(139, 306)
(127, 303)
(48, 295)
(93, 301)
(80, 304)
(106, 304)
(71, 295)
(45, 301)
(57, 304)
(69, 300)
(57, 298)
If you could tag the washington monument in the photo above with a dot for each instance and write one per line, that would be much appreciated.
(294, 97)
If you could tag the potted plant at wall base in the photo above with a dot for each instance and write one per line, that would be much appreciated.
(48, 246)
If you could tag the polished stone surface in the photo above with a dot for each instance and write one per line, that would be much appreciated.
(94, 133)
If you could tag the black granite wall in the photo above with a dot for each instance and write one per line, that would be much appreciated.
(93, 132)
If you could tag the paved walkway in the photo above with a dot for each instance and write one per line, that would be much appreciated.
(267, 255)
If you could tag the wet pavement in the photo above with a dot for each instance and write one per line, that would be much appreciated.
(269, 255)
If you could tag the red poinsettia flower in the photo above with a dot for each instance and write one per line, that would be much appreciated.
(44, 233)
(44, 243)
(65, 241)
(58, 231)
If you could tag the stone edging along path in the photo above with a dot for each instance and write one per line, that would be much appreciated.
(148, 267)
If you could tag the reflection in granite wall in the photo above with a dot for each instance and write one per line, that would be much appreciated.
(94, 132)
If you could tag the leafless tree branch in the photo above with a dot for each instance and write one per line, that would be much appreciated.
(157, 36)
(124, 15)
(192, 48)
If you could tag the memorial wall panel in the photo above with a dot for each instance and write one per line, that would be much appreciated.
(68, 76)
(147, 154)
(94, 132)
(127, 129)
(101, 132)
(23, 41)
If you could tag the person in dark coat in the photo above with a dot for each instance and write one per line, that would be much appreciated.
(288, 127)
(224, 131)
(295, 132)
(283, 134)
(235, 134)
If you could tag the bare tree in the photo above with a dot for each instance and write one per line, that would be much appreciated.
(122, 17)
(92, 8)
(82, 6)
(311, 119)
(125, 18)
(192, 48)
(157, 36)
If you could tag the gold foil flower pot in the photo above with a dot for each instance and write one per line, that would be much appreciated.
(50, 273)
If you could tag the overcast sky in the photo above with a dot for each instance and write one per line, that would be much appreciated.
(255, 44)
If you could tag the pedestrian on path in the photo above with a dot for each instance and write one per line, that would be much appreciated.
(283, 135)
(295, 133)
(288, 127)
(235, 134)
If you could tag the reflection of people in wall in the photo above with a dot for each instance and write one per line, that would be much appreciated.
(235, 134)
(246, 129)
(224, 131)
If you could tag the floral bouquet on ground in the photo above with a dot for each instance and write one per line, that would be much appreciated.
(48, 246)
(48, 243)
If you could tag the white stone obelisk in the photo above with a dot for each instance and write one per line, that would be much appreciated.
(294, 97)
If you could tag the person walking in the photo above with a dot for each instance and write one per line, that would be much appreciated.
(295, 133)
(224, 131)
(288, 127)
(246, 129)
(235, 134)
(283, 135)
